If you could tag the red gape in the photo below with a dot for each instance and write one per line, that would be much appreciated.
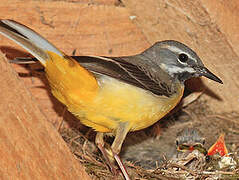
(218, 147)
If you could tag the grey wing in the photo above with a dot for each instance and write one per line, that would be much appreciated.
(122, 70)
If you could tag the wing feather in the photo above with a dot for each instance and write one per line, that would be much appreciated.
(120, 69)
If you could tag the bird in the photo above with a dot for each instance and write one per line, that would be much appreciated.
(191, 152)
(150, 152)
(190, 139)
(114, 95)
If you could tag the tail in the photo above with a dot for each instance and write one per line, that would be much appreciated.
(28, 39)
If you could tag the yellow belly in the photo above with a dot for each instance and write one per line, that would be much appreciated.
(120, 102)
(103, 102)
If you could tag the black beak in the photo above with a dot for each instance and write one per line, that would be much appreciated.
(202, 71)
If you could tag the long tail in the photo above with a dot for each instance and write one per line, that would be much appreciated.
(28, 39)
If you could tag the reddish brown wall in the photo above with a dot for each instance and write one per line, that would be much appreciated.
(30, 148)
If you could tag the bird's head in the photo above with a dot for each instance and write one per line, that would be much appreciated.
(179, 61)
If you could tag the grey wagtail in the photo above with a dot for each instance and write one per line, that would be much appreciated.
(114, 94)
(151, 152)
(190, 139)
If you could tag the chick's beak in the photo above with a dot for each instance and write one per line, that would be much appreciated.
(203, 71)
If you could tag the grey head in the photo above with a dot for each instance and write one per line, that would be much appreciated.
(190, 139)
(178, 60)
(190, 136)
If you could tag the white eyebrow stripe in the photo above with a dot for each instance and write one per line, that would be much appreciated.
(178, 50)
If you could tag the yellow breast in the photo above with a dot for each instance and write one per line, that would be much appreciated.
(120, 102)
(103, 102)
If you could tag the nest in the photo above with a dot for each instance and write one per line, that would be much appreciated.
(161, 138)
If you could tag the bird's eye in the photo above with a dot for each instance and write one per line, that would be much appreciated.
(182, 57)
